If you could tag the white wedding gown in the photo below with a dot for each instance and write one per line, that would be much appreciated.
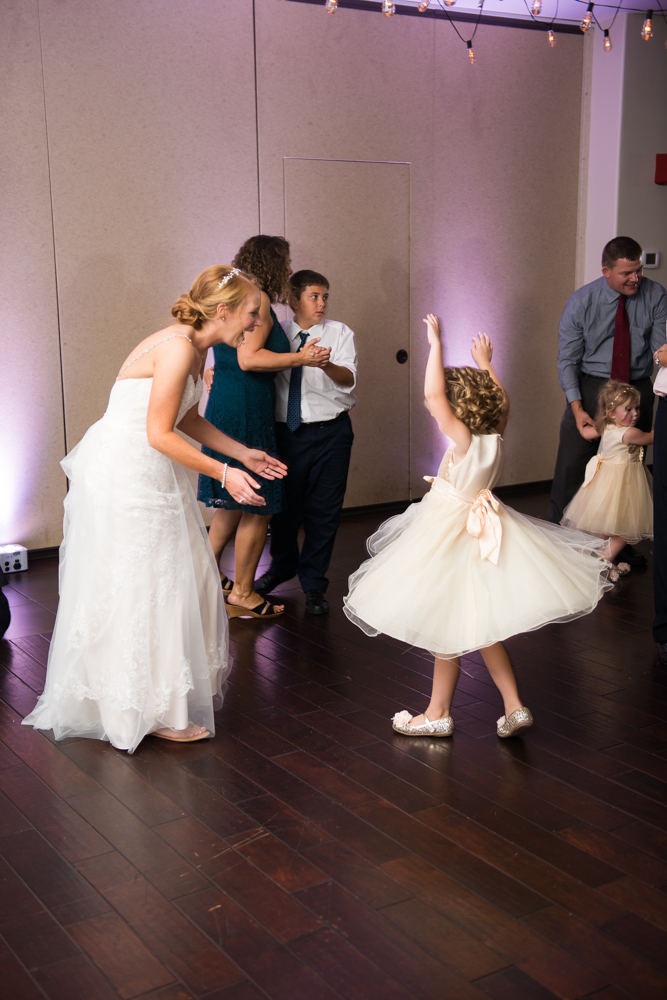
(140, 640)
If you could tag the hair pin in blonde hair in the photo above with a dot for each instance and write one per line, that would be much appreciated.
(234, 271)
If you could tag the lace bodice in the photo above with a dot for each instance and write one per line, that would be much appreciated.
(128, 402)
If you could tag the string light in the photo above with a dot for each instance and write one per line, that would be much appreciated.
(587, 19)
(331, 6)
(551, 35)
(388, 8)
(647, 27)
(471, 54)
(422, 6)
(449, 3)
(607, 40)
(536, 8)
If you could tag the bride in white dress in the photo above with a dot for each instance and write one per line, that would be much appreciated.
(140, 640)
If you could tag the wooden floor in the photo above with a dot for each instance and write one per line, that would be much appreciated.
(309, 853)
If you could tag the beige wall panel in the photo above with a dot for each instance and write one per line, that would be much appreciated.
(642, 204)
(365, 253)
(494, 154)
(153, 156)
(353, 85)
(507, 161)
(32, 485)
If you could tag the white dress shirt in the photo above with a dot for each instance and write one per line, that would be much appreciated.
(321, 398)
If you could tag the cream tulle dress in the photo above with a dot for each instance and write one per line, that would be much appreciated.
(615, 498)
(140, 640)
(459, 571)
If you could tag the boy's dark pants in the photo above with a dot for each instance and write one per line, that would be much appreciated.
(574, 452)
(660, 522)
(318, 459)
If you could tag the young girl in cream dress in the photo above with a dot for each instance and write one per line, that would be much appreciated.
(615, 500)
(472, 572)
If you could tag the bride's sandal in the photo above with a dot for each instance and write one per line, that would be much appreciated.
(263, 610)
(226, 584)
(182, 739)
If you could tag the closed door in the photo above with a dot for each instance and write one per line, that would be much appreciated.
(350, 220)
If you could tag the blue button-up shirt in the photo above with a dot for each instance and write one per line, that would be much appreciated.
(586, 332)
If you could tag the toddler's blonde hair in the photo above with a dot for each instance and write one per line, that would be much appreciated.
(611, 395)
(477, 401)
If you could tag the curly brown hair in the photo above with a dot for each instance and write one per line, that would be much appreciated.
(477, 401)
(611, 395)
(193, 308)
(268, 259)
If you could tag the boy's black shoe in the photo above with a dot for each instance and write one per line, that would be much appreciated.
(268, 582)
(630, 555)
(316, 603)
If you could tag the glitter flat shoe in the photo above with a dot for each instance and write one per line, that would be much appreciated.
(520, 719)
(441, 727)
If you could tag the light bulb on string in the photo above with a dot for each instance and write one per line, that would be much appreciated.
(449, 3)
(587, 18)
(471, 54)
(607, 40)
(422, 6)
(536, 8)
(388, 8)
(647, 26)
(551, 35)
(331, 6)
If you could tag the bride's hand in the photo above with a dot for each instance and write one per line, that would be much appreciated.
(241, 487)
(482, 350)
(264, 465)
(208, 377)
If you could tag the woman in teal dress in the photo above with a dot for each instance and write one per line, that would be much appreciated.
(241, 404)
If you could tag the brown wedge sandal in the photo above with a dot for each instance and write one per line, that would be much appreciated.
(226, 584)
(263, 610)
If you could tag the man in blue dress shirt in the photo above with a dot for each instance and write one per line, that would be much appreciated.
(610, 328)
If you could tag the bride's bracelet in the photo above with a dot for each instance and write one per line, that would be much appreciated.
(224, 475)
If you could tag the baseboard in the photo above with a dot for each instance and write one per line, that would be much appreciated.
(50, 552)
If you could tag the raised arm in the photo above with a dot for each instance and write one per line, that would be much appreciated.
(254, 357)
(482, 352)
(435, 391)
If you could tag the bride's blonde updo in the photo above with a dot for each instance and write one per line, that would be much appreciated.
(477, 401)
(209, 290)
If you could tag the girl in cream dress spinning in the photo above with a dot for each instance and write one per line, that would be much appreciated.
(472, 571)
(615, 500)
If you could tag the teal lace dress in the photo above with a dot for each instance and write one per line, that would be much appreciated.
(242, 404)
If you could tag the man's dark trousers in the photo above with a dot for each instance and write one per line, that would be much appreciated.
(660, 522)
(574, 452)
(318, 458)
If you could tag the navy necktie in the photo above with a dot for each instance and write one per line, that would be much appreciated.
(294, 398)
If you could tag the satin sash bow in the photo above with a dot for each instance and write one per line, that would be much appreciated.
(483, 520)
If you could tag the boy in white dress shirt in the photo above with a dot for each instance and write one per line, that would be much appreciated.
(314, 436)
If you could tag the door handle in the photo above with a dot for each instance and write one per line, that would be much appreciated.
(401, 356)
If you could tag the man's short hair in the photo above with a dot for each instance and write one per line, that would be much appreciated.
(620, 248)
(300, 281)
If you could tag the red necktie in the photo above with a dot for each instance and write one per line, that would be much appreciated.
(620, 358)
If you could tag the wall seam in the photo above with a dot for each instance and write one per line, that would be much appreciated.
(53, 230)
(254, 48)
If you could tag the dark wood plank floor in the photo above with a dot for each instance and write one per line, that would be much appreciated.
(309, 853)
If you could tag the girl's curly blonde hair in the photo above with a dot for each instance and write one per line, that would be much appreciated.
(611, 395)
(477, 401)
